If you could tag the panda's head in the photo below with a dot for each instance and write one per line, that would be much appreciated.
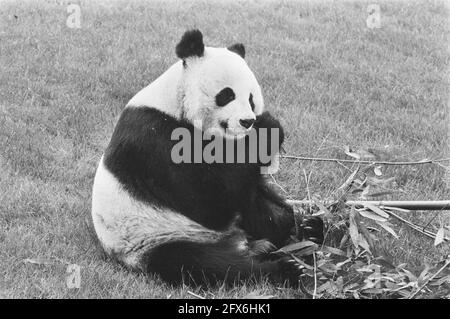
(219, 92)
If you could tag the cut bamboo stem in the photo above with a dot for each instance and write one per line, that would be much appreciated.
(411, 205)
(337, 160)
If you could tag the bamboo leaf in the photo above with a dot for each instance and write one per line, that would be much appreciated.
(332, 250)
(324, 287)
(37, 261)
(353, 230)
(423, 275)
(342, 263)
(363, 243)
(445, 279)
(322, 209)
(365, 154)
(301, 262)
(319, 213)
(377, 210)
(412, 278)
(328, 268)
(370, 215)
(348, 182)
(365, 192)
(373, 291)
(379, 181)
(377, 194)
(366, 234)
(377, 171)
(439, 237)
(296, 246)
(388, 229)
(350, 153)
(307, 251)
(255, 295)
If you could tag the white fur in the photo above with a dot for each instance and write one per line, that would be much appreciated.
(164, 93)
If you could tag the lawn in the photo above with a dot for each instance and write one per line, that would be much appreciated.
(330, 79)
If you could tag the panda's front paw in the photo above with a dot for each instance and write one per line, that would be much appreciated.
(273, 135)
(311, 229)
(266, 120)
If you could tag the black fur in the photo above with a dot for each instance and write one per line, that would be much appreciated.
(139, 155)
(225, 96)
(207, 263)
(238, 48)
(191, 44)
(250, 100)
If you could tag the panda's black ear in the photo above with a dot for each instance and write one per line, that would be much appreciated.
(238, 48)
(191, 44)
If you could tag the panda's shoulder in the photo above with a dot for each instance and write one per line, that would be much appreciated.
(139, 133)
(139, 149)
(136, 122)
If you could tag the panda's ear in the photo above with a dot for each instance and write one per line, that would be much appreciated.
(238, 48)
(191, 44)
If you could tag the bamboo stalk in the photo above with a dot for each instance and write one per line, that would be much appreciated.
(447, 263)
(413, 226)
(411, 205)
(337, 160)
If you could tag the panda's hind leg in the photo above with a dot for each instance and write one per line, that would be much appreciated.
(203, 263)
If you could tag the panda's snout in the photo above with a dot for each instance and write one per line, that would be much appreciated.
(247, 123)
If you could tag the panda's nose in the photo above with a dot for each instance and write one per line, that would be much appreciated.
(247, 123)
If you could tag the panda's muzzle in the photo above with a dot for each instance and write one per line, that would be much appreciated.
(247, 123)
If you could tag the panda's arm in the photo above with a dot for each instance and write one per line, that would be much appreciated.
(268, 216)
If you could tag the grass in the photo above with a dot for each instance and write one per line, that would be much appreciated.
(331, 80)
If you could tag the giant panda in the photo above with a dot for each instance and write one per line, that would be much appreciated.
(194, 222)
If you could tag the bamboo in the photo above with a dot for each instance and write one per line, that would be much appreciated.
(411, 205)
(337, 160)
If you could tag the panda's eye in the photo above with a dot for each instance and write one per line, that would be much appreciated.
(225, 96)
(252, 104)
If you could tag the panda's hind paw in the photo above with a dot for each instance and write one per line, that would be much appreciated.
(312, 229)
(261, 248)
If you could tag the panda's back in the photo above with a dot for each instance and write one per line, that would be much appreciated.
(163, 93)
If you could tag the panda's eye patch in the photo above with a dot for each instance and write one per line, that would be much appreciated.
(225, 96)
(250, 100)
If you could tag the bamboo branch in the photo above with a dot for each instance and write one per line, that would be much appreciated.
(404, 206)
(338, 160)
(411, 205)
(413, 226)
(195, 295)
(447, 263)
(315, 276)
